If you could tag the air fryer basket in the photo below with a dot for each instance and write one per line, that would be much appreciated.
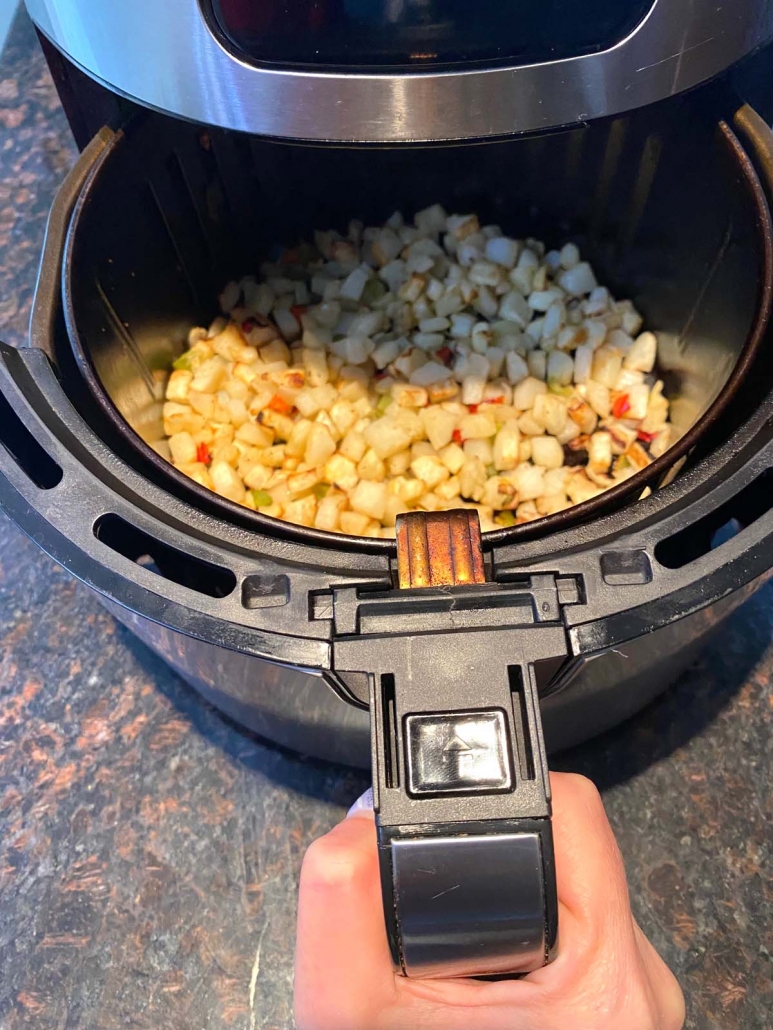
(664, 202)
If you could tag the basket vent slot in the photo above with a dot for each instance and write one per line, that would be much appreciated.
(25, 450)
(162, 559)
(719, 526)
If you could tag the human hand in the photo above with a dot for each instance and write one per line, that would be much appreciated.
(607, 975)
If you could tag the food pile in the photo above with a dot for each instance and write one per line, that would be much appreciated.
(433, 365)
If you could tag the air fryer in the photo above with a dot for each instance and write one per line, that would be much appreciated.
(435, 659)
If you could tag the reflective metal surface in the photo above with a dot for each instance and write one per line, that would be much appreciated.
(458, 897)
(162, 53)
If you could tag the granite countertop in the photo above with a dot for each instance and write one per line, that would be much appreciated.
(149, 849)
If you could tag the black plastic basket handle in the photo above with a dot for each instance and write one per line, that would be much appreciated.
(461, 789)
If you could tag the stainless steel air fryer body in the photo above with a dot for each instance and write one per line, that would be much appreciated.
(407, 71)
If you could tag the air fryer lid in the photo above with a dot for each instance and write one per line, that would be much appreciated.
(442, 70)
(173, 212)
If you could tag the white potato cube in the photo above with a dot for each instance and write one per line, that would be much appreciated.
(528, 480)
(226, 482)
(641, 357)
(502, 251)
(547, 452)
(506, 447)
(369, 498)
(578, 280)
(516, 368)
(526, 391)
(387, 437)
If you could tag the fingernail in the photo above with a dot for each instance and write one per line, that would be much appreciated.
(362, 805)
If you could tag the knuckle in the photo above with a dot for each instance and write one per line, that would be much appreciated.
(331, 866)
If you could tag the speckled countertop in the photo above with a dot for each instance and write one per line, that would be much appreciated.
(149, 849)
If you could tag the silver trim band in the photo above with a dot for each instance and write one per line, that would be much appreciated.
(162, 54)
(470, 906)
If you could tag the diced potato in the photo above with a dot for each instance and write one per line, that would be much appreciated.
(600, 451)
(301, 483)
(353, 446)
(320, 445)
(408, 490)
(500, 493)
(302, 511)
(371, 467)
(439, 425)
(550, 412)
(315, 364)
(599, 398)
(547, 452)
(229, 344)
(583, 415)
(329, 511)
(226, 482)
(387, 437)
(560, 369)
(210, 376)
(199, 473)
(369, 498)
(179, 418)
(298, 438)
(607, 362)
(477, 427)
(399, 464)
(641, 356)
(657, 410)
(453, 457)
(528, 480)
(351, 403)
(526, 392)
(449, 489)
(472, 479)
(281, 424)
(341, 472)
(506, 447)
(178, 385)
(257, 476)
(275, 456)
(430, 470)
(183, 448)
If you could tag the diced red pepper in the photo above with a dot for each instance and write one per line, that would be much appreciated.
(280, 405)
(249, 325)
(496, 400)
(621, 405)
(457, 437)
(202, 454)
(645, 437)
(446, 355)
(473, 408)
(298, 310)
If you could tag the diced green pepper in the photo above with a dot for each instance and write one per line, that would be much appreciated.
(184, 363)
(505, 519)
(562, 391)
(383, 403)
(321, 490)
(374, 291)
(262, 498)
